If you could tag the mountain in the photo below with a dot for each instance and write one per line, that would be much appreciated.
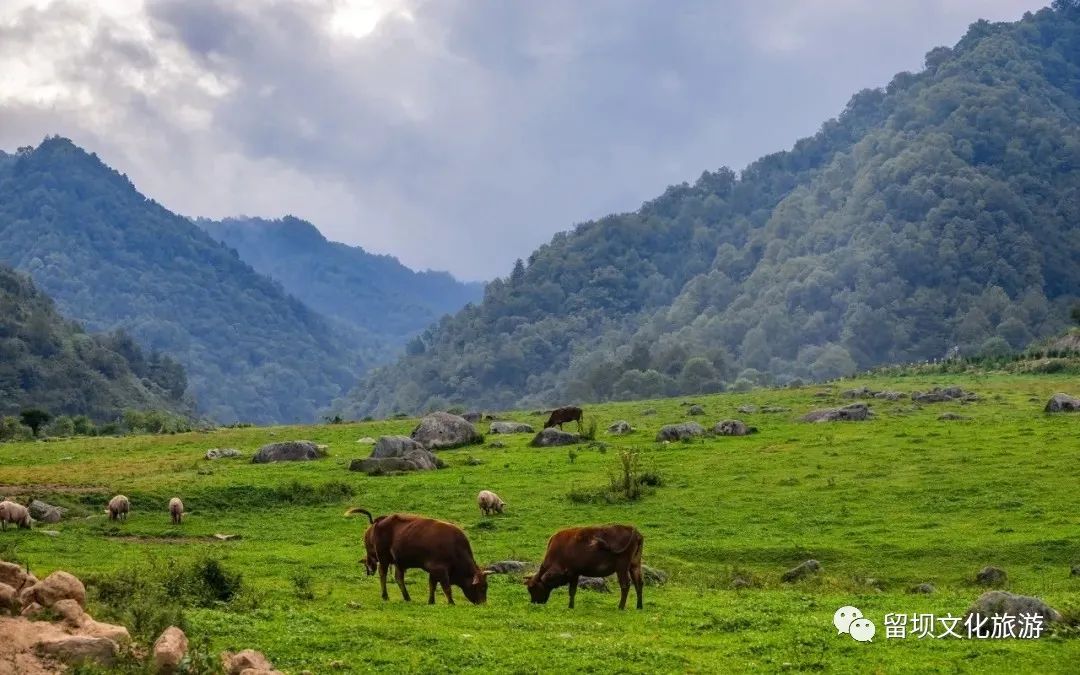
(375, 293)
(50, 363)
(113, 259)
(940, 212)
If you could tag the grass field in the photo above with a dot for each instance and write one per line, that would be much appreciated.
(883, 505)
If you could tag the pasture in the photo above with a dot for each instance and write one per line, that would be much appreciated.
(883, 505)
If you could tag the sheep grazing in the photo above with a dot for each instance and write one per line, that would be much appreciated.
(489, 502)
(10, 512)
(119, 506)
(176, 510)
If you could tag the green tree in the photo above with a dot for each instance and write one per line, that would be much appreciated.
(35, 418)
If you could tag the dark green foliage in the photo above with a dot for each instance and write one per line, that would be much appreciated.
(113, 259)
(941, 211)
(49, 366)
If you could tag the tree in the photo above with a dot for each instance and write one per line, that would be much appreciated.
(35, 418)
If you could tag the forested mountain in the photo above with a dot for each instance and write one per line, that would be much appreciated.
(50, 363)
(375, 293)
(112, 259)
(940, 211)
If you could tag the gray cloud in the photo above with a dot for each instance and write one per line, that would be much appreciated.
(456, 135)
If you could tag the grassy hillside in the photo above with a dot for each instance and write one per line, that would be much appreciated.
(883, 505)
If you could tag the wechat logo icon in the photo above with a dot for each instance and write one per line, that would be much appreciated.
(850, 620)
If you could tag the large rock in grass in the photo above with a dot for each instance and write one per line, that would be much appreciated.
(79, 650)
(854, 412)
(620, 427)
(244, 661)
(801, 571)
(396, 454)
(1001, 603)
(14, 576)
(943, 395)
(9, 601)
(443, 430)
(991, 576)
(56, 587)
(733, 428)
(510, 428)
(551, 437)
(394, 446)
(1062, 403)
(473, 416)
(679, 432)
(289, 451)
(169, 650)
(222, 453)
(45, 513)
(507, 567)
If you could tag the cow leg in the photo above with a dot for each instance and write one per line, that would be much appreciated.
(382, 579)
(624, 587)
(635, 574)
(399, 577)
(445, 581)
(573, 589)
(431, 589)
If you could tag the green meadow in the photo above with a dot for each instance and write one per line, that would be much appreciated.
(885, 504)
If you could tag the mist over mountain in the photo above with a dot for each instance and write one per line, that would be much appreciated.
(940, 211)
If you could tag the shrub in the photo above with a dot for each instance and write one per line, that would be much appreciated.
(61, 427)
(11, 429)
(35, 418)
(588, 433)
(302, 586)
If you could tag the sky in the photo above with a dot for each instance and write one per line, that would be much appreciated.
(454, 134)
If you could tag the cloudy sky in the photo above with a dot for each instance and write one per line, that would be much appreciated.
(454, 134)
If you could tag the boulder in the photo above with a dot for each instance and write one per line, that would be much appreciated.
(593, 584)
(222, 453)
(861, 392)
(679, 432)
(394, 446)
(1062, 403)
(853, 412)
(70, 612)
(169, 650)
(396, 454)
(45, 513)
(79, 649)
(1000, 603)
(942, 395)
(288, 451)
(443, 430)
(510, 428)
(890, 395)
(653, 576)
(248, 659)
(747, 409)
(801, 571)
(9, 600)
(695, 410)
(508, 567)
(473, 417)
(991, 576)
(733, 428)
(13, 575)
(620, 427)
(924, 588)
(56, 587)
(551, 437)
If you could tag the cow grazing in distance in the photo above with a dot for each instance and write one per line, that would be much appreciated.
(589, 551)
(439, 548)
(559, 416)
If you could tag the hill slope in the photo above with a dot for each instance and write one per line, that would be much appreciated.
(375, 293)
(941, 211)
(49, 363)
(113, 259)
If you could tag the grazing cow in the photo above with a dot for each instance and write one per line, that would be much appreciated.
(589, 551)
(559, 416)
(371, 558)
(176, 510)
(441, 549)
(489, 502)
(119, 506)
(13, 512)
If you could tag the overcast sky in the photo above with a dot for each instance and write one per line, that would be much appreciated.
(454, 134)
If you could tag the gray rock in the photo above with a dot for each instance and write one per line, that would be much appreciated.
(45, 513)
(924, 588)
(733, 428)
(394, 446)
(288, 451)
(942, 395)
(220, 453)
(861, 392)
(695, 410)
(508, 567)
(598, 584)
(1062, 403)
(678, 432)
(890, 395)
(853, 412)
(620, 427)
(396, 454)
(1000, 603)
(443, 430)
(496, 444)
(473, 416)
(747, 409)
(801, 571)
(991, 576)
(510, 428)
(653, 576)
(946, 417)
(551, 437)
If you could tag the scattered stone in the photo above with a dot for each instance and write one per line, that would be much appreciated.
(366, 440)
(169, 650)
(226, 537)
(695, 410)
(394, 446)
(249, 659)
(620, 427)
(222, 453)
(551, 437)
(79, 649)
(598, 584)
(946, 417)
(496, 444)
(508, 567)
(1062, 403)
(57, 586)
(943, 394)
(288, 451)
(443, 430)
(747, 409)
(890, 395)
(396, 454)
(46, 513)
(678, 432)
(733, 428)
(923, 588)
(653, 576)
(775, 409)
(1001, 603)
(861, 392)
(473, 417)
(510, 428)
(801, 571)
(853, 412)
(991, 576)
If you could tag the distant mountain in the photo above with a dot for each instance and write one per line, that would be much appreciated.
(113, 259)
(940, 211)
(50, 363)
(375, 293)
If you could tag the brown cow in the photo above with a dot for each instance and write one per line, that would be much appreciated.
(589, 551)
(440, 548)
(569, 413)
(371, 559)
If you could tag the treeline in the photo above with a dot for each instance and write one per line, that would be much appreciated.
(35, 423)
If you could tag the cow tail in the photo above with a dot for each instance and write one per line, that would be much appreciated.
(632, 540)
(362, 511)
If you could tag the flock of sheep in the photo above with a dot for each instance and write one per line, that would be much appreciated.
(118, 509)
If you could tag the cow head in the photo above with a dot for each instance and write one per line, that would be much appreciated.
(476, 588)
(538, 591)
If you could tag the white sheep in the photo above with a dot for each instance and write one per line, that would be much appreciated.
(11, 512)
(176, 510)
(119, 506)
(489, 502)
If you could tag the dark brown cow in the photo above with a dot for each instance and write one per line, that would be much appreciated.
(440, 548)
(559, 416)
(589, 551)
(371, 560)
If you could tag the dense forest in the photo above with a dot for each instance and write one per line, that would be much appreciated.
(938, 214)
(375, 293)
(51, 364)
(112, 259)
